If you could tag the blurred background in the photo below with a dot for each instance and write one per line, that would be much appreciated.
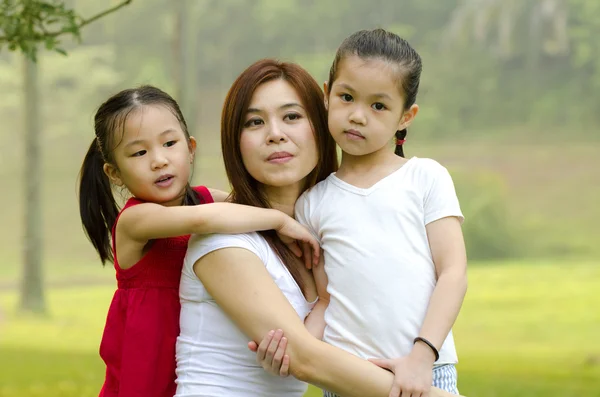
(510, 103)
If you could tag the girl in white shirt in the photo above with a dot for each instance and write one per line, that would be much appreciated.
(394, 274)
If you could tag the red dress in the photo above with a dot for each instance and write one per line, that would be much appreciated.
(138, 344)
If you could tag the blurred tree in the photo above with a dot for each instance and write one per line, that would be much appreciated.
(24, 25)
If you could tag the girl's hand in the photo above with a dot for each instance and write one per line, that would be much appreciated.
(292, 234)
(412, 375)
(270, 354)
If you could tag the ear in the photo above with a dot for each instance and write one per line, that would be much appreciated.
(192, 146)
(408, 117)
(326, 95)
(112, 173)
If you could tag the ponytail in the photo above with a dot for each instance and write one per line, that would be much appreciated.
(190, 197)
(97, 206)
(400, 137)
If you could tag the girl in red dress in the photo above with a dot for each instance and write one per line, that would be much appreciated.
(142, 144)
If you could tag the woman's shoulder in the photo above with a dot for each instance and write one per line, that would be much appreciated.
(200, 245)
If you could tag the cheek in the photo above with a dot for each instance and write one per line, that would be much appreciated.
(249, 151)
(308, 145)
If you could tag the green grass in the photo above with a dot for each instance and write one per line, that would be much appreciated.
(526, 330)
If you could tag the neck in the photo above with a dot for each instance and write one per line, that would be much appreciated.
(284, 198)
(368, 162)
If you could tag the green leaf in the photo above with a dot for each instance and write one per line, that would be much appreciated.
(60, 51)
(50, 42)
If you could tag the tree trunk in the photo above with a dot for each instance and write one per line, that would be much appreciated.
(180, 55)
(32, 288)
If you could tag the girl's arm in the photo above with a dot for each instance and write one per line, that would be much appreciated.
(315, 322)
(242, 287)
(413, 372)
(450, 259)
(147, 221)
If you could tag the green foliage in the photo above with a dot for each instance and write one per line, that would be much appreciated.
(488, 230)
(27, 24)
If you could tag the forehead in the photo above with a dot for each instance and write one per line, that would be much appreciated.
(368, 76)
(148, 121)
(274, 94)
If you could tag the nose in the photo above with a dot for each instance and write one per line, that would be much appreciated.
(276, 134)
(358, 116)
(159, 160)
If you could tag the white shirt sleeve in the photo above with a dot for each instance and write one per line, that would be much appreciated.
(302, 213)
(201, 245)
(440, 200)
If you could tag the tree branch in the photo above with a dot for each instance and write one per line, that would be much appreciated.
(94, 18)
(82, 24)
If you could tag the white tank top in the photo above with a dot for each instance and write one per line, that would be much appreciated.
(212, 354)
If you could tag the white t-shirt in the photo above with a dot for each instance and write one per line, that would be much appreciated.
(377, 256)
(212, 353)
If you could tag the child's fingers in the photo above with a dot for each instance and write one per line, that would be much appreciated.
(316, 250)
(308, 257)
(272, 348)
(253, 346)
(278, 356)
(293, 246)
(262, 348)
(284, 371)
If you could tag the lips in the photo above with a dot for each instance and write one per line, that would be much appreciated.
(279, 156)
(164, 178)
(354, 134)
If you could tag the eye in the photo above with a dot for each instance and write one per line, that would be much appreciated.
(292, 117)
(170, 143)
(378, 106)
(346, 97)
(139, 154)
(253, 123)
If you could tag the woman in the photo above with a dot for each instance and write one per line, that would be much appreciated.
(234, 287)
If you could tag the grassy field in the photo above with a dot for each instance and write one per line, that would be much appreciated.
(525, 330)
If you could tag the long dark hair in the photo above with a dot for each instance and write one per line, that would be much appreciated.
(245, 189)
(389, 47)
(97, 206)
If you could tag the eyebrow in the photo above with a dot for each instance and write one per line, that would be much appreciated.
(377, 95)
(138, 141)
(284, 106)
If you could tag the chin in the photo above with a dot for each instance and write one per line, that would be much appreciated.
(355, 151)
(282, 180)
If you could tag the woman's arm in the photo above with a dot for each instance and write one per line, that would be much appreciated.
(241, 285)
